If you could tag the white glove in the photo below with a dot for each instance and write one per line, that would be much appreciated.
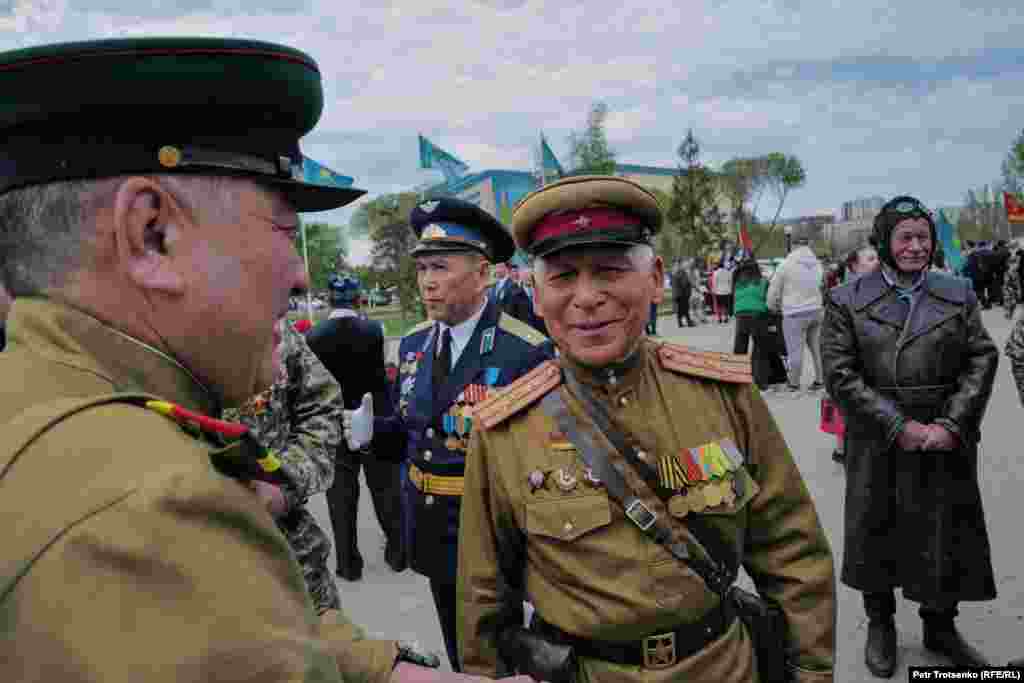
(358, 424)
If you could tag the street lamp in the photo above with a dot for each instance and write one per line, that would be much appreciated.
(788, 230)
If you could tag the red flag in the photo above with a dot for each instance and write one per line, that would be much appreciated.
(1014, 210)
(745, 241)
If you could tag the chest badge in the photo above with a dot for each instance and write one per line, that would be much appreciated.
(565, 479)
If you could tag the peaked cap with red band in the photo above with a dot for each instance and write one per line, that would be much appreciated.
(584, 210)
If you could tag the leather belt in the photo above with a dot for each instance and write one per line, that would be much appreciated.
(656, 651)
(436, 484)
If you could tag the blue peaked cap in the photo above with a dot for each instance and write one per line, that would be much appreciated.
(447, 225)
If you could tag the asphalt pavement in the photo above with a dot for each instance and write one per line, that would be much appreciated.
(399, 606)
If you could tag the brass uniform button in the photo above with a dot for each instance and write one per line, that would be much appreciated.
(430, 432)
(568, 528)
(427, 455)
(429, 500)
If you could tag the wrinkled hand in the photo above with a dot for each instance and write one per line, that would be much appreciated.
(913, 437)
(358, 424)
(940, 439)
(271, 496)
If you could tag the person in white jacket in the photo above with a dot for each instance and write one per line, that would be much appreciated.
(795, 290)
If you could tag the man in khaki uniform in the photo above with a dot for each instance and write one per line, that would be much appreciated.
(147, 211)
(539, 523)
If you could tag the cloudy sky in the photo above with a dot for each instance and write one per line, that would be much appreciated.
(874, 96)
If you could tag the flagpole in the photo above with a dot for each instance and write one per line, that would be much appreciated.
(309, 275)
(543, 170)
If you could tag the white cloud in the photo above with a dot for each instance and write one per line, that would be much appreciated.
(484, 78)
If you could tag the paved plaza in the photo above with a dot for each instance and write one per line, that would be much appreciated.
(399, 605)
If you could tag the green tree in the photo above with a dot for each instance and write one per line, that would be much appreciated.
(748, 180)
(693, 206)
(1013, 166)
(326, 248)
(983, 216)
(589, 149)
(386, 221)
(782, 174)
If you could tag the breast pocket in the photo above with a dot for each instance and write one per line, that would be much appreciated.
(567, 519)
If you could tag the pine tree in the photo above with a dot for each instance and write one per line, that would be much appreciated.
(694, 206)
(589, 150)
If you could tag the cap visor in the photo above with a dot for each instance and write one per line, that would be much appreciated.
(315, 187)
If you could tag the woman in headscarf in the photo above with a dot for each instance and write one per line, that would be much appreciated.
(911, 366)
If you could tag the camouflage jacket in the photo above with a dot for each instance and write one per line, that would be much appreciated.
(1015, 352)
(1011, 282)
(299, 418)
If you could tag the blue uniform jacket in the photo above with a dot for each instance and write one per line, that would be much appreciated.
(434, 435)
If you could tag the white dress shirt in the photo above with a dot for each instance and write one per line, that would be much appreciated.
(461, 334)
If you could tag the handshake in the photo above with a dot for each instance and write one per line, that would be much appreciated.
(358, 424)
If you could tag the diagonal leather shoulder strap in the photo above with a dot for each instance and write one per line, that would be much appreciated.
(650, 522)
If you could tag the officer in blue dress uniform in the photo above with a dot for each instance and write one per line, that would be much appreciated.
(447, 365)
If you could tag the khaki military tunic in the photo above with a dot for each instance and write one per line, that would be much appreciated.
(569, 549)
(126, 556)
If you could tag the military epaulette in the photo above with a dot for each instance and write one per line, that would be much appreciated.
(725, 367)
(520, 329)
(420, 327)
(518, 395)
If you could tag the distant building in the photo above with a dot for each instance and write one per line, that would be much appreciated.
(865, 208)
(498, 191)
(811, 227)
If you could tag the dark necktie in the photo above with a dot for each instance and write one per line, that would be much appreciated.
(443, 361)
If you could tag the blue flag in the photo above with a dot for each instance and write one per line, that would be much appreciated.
(950, 242)
(432, 156)
(549, 160)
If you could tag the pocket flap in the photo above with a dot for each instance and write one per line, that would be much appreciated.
(568, 518)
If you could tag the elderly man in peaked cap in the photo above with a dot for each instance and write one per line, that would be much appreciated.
(149, 191)
(449, 364)
(619, 487)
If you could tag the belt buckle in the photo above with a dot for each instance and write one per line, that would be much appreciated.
(659, 650)
(640, 514)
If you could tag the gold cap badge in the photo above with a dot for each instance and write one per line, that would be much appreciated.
(169, 156)
(433, 232)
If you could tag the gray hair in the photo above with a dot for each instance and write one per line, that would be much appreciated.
(640, 255)
(46, 231)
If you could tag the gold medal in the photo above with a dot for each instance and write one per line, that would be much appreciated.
(696, 500)
(729, 495)
(678, 506)
(713, 494)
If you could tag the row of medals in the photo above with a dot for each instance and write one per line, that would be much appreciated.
(695, 498)
(703, 496)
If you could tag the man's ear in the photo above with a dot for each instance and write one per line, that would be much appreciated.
(147, 229)
(658, 273)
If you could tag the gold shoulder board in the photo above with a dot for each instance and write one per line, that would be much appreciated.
(521, 330)
(518, 395)
(724, 367)
(420, 327)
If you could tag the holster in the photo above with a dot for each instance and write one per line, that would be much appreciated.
(525, 652)
(767, 626)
